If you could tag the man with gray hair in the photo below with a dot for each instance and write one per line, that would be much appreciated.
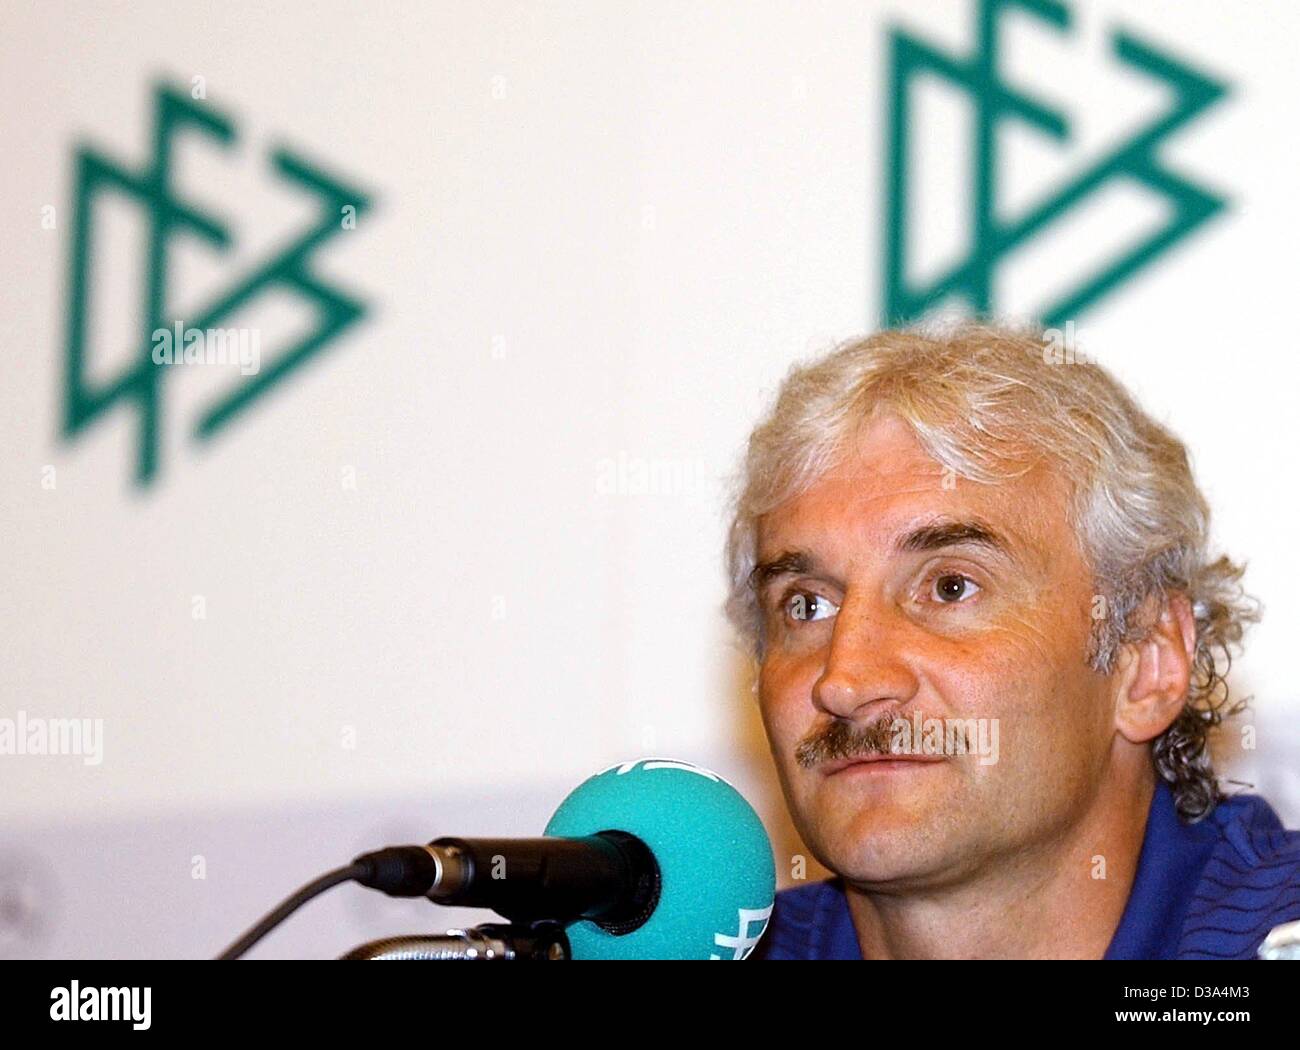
(948, 529)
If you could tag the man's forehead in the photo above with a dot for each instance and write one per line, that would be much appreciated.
(905, 526)
(881, 509)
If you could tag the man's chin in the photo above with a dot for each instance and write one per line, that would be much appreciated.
(888, 839)
(887, 862)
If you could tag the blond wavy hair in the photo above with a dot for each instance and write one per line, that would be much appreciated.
(987, 402)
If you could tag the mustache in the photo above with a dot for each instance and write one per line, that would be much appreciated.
(842, 739)
(889, 734)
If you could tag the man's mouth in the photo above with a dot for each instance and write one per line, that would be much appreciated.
(888, 759)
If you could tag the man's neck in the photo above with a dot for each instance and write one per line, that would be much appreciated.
(1062, 900)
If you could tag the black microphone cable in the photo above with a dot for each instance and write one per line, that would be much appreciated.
(291, 904)
(399, 871)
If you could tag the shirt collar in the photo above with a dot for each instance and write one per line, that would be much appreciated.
(833, 933)
(1169, 866)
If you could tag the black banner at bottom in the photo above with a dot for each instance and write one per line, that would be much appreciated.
(308, 998)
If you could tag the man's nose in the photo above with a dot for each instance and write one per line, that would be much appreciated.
(865, 664)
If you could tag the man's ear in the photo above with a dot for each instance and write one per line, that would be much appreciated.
(1155, 673)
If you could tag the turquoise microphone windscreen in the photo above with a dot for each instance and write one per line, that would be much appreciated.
(718, 877)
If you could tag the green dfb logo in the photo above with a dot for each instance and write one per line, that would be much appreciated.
(994, 102)
(287, 270)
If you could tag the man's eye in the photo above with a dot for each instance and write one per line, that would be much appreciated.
(804, 606)
(950, 588)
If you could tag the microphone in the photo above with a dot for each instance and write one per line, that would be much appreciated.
(649, 859)
(609, 877)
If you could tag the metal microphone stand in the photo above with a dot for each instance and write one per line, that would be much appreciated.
(543, 940)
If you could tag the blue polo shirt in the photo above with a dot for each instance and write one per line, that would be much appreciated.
(1209, 890)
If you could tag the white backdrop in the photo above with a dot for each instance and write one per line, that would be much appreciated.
(435, 591)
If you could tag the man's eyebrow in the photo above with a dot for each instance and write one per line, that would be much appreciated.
(953, 532)
(787, 563)
(934, 535)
